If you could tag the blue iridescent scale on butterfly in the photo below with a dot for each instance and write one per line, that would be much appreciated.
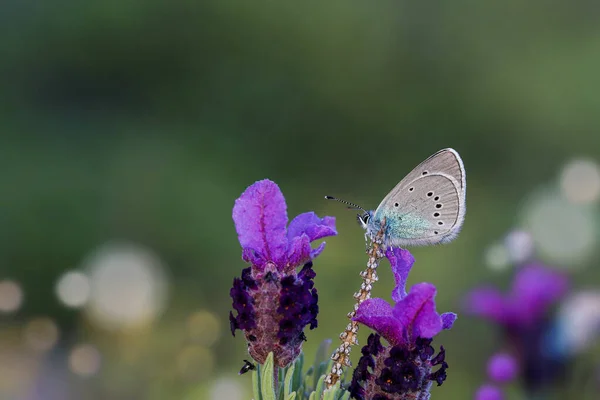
(403, 226)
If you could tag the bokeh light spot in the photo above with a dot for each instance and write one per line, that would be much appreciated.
(496, 257)
(73, 289)
(203, 328)
(11, 296)
(564, 233)
(519, 246)
(579, 321)
(128, 286)
(41, 334)
(580, 181)
(85, 360)
(226, 388)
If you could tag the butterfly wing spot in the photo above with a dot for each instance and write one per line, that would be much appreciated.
(435, 232)
(440, 222)
(425, 172)
(436, 198)
(429, 194)
(411, 189)
(396, 204)
(436, 214)
(438, 205)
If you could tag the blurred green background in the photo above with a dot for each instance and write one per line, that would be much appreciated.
(128, 129)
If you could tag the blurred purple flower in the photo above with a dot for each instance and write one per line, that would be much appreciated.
(502, 367)
(489, 392)
(534, 289)
(523, 316)
(403, 368)
(273, 301)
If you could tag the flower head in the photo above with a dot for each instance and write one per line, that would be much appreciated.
(534, 289)
(404, 367)
(274, 301)
(522, 314)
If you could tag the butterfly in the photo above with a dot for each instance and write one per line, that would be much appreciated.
(427, 206)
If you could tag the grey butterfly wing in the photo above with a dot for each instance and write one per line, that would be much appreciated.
(446, 169)
(446, 161)
(427, 211)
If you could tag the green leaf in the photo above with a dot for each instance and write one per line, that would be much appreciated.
(256, 383)
(324, 368)
(313, 396)
(323, 352)
(287, 382)
(281, 373)
(336, 392)
(320, 385)
(307, 385)
(330, 394)
(291, 396)
(297, 377)
(266, 380)
(310, 371)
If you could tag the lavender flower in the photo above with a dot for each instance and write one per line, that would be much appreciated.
(534, 289)
(273, 301)
(403, 368)
(522, 314)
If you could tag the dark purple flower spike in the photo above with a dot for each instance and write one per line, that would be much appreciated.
(403, 369)
(274, 301)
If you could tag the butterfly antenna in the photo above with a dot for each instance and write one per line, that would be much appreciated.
(352, 206)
